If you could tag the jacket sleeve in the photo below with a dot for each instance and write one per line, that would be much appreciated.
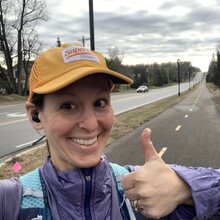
(205, 189)
(10, 198)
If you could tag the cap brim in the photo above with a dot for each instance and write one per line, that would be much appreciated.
(76, 74)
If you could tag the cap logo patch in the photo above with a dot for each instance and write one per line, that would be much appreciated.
(74, 53)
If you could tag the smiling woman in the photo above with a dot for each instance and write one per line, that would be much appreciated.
(76, 125)
(70, 102)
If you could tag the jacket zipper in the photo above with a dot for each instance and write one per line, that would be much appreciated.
(88, 192)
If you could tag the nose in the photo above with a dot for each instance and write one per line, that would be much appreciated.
(88, 120)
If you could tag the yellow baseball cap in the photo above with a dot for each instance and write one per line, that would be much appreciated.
(58, 67)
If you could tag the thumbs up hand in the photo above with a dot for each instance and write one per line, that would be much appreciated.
(155, 189)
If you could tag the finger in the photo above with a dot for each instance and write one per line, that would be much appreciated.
(150, 153)
(128, 181)
(131, 194)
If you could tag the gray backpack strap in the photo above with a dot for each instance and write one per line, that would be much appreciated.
(10, 198)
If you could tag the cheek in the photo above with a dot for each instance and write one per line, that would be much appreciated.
(108, 122)
(57, 126)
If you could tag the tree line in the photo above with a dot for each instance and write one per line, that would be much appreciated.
(20, 44)
(213, 75)
(151, 74)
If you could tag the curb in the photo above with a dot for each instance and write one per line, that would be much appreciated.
(26, 150)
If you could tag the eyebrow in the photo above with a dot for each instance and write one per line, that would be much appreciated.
(70, 93)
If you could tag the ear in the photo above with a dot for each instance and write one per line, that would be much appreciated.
(31, 110)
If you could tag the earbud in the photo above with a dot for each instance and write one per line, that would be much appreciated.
(35, 117)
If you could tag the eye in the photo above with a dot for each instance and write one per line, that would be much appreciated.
(101, 103)
(68, 106)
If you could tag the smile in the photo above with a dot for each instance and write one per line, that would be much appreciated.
(84, 141)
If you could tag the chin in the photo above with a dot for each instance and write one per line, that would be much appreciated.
(90, 163)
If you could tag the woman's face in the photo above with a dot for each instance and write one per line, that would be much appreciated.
(77, 121)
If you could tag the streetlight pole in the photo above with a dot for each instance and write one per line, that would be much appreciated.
(178, 73)
(189, 75)
(193, 78)
(91, 22)
(148, 77)
(189, 80)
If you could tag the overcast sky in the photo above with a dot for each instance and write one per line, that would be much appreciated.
(144, 31)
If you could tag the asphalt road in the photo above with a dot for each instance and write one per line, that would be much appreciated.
(186, 134)
(16, 132)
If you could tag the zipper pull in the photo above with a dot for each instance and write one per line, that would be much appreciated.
(87, 174)
(88, 178)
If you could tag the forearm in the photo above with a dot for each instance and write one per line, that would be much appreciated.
(184, 195)
(204, 184)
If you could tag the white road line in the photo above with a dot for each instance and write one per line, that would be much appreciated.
(16, 114)
(163, 150)
(3, 113)
(13, 122)
(178, 128)
(23, 145)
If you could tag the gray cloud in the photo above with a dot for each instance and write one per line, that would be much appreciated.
(143, 32)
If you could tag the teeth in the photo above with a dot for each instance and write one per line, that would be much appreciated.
(85, 142)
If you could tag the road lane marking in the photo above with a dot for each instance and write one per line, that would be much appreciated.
(186, 116)
(125, 99)
(16, 114)
(178, 128)
(191, 110)
(24, 145)
(3, 113)
(13, 122)
(163, 150)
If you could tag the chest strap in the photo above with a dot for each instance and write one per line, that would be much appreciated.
(34, 205)
(125, 207)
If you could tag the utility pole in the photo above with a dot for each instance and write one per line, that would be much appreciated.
(83, 40)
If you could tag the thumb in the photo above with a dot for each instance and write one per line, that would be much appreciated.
(150, 153)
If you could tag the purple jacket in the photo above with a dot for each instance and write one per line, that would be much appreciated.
(205, 188)
(72, 197)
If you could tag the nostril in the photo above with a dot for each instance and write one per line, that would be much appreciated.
(88, 122)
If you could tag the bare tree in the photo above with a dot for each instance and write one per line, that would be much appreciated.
(31, 47)
(114, 53)
(114, 59)
(18, 39)
(6, 48)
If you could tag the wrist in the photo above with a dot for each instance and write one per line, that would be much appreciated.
(184, 196)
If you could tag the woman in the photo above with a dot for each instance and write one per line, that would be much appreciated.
(70, 101)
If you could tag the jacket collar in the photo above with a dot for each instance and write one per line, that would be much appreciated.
(68, 192)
